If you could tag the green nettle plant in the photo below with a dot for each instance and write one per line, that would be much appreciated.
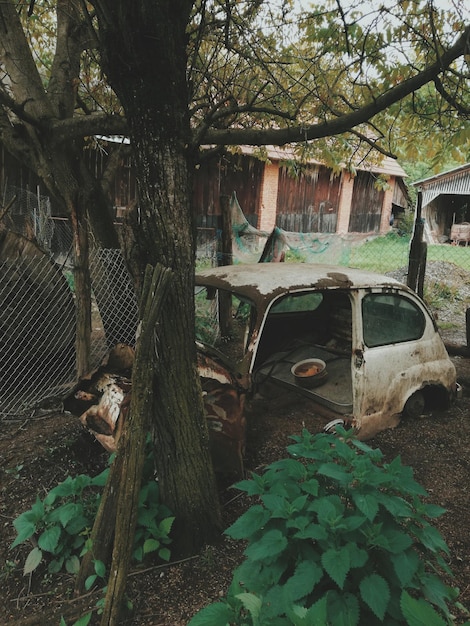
(60, 525)
(339, 537)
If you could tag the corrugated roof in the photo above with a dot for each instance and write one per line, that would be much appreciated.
(455, 182)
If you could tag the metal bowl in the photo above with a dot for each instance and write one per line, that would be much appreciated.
(309, 372)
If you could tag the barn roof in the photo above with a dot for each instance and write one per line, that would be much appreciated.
(455, 182)
(387, 166)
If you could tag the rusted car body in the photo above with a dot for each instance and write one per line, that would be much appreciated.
(383, 353)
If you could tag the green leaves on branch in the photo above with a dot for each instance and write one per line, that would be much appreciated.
(337, 536)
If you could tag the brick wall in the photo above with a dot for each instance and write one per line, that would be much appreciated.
(387, 207)
(267, 214)
(344, 209)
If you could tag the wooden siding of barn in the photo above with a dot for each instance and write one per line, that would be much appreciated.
(308, 203)
(445, 211)
(366, 205)
(124, 191)
(15, 175)
(223, 176)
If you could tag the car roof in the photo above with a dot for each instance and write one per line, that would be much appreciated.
(264, 280)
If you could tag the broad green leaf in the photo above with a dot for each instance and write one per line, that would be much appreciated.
(252, 604)
(357, 556)
(419, 612)
(90, 581)
(77, 524)
(165, 525)
(367, 504)
(315, 532)
(68, 512)
(218, 614)
(72, 564)
(49, 539)
(336, 472)
(433, 510)
(32, 561)
(432, 539)
(436, 591)
(292, 468)
(328, 508)
(151, 545)
(270, 545)
(396, 506)
(306, 575)
(337, 564)
(25, 530)
(249, 523)
(376, 594)
(405, 565)
(317, 613)
(164, 554)
(251, 487)
(274, 604)
(55, 565)
(343, 609)
(310, 486)
(277, 505)
(100, 479)
(65, 489)
(100, 568)
(398, 541)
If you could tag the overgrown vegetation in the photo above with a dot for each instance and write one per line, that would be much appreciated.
(337, 536)
(60, 525)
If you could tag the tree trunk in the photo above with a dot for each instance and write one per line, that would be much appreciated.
(154, 95)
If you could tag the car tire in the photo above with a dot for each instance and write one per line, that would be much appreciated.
(414, 406)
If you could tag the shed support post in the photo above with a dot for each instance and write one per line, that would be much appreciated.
(417, 261)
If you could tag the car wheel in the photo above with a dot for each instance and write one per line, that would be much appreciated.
(414, 406)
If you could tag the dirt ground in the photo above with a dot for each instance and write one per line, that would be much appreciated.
(37, 453)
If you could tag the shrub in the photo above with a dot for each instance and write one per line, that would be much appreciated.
(337, 537)
(61, 523)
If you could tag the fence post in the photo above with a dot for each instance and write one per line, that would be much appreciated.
(416, 254)
(225, 258)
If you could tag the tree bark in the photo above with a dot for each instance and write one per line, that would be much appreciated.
(141, 41)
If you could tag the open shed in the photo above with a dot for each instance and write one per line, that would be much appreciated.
(446, 205)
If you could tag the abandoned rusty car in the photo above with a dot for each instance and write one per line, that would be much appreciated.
(375, 346)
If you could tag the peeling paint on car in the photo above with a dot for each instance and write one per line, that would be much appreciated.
(378, 339)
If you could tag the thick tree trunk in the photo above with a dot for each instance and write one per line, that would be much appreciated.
(154, 96)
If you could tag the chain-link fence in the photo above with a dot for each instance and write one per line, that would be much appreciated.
(37, 300)
(38, 305)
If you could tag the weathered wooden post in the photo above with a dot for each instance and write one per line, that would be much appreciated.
(225, 258)
(415, 258)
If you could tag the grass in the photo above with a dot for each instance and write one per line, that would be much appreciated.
(390, 252)
(381, 254)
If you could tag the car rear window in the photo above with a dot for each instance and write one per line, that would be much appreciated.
(390, 318)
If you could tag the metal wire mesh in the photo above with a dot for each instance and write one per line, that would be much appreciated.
(114, 296)
(37, 333)
(37, 301)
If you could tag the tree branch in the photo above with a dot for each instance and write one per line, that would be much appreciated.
(348, 121)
